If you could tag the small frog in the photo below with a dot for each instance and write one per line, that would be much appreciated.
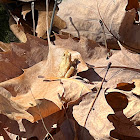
(67, 67)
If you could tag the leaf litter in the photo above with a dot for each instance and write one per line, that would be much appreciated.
(35, 91)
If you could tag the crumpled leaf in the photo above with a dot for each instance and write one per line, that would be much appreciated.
(86, 18)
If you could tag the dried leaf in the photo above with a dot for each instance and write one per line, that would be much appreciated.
(28, 91)
(85, 18)
(41, 27)
(89, 50)
(4, 47)
(125, 86)
(124, 68)
(136, 90)
(18, 32)
(132, 4)
(22, 56)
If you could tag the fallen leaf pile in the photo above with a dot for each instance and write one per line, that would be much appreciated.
(50, 89)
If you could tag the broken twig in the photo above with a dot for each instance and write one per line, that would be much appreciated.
(108, 66)
(33, 16)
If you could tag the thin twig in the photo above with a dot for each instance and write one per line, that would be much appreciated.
(41, 117)
(102, 25)
(119, 67)
(52, 18)
(108, 66)
(108, 50)
(47, 23)
(111, 31)
(74, 27)
(33, 16)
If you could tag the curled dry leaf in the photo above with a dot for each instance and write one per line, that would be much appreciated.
(85, 18)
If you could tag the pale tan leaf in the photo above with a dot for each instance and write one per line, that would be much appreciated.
(89, 50)
(136, 90)
(85, 17)
(29, 91)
